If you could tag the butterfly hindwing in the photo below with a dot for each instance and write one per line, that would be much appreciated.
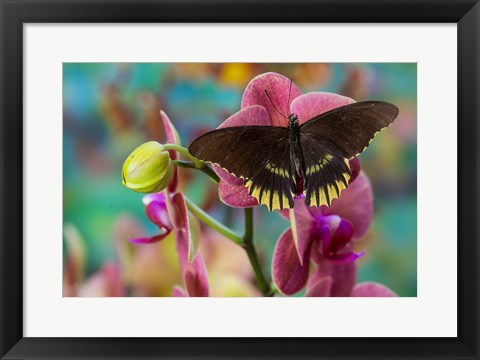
(349, 129)
(258, 154)
(326, 173)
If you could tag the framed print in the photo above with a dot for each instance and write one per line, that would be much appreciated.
(248, 180)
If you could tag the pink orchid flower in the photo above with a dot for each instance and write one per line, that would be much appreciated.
(323, 234)
(257, 109)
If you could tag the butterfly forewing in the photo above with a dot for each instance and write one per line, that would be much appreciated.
(349, 129)
(259, 154)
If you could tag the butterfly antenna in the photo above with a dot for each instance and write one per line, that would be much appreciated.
(269, 98)
(289, 93)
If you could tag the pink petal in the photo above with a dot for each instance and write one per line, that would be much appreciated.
(177, 210)
(226, 176)
(196, 278)
(235, 195)
(344, 258)
(289, 275)
(278, 87)
(309, 105)
(178, 291)
(301, 225)
(172, 138)
(355, 205)
(157, 214)
(355, 167)
(372, 289)
(321, 288)
(149, 240)
(248, 115)
(343, 276)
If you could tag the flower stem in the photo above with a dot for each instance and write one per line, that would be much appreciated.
(214, 224)
(184, 151)
(249, 247)
(204, 168)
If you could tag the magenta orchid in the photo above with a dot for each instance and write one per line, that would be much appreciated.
(325, 237)
(257, 109)
(321, 234)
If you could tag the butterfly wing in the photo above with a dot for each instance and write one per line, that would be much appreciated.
(330, 139)
(258, 154)
(349, 129)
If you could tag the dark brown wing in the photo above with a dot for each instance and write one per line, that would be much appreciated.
(349, 129)
(259, 154)
(325, 171)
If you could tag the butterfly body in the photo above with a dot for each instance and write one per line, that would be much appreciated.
(278, 163)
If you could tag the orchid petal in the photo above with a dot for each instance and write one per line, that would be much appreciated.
(320, 289)
(149, 240)
(341, 237)
(196, 279)
(355, 204)
(289, 275)
(248, 116)
(177, 211)
(226, 176)
(372, 289)
(235, 195)
(172, 138)
(344, 277)
(278, 87)
(310, 105)
(178, 292)
(344, 258)
(157, 214)
(301, 225)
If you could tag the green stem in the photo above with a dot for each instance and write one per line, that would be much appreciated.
(249, 247)
(214, 224)
(184, 151)
(204, 168)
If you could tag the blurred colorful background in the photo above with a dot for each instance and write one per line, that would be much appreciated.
(111, 108)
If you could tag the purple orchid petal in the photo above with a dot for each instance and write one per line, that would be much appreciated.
(372, 289)
(157, 214)
(178, 292)
(312, 104)
(355, 205)
(344, 258)
(248, 115)
(301, 226)
(172, 138)
(289, 275)
(235, 195)
(341, 237)
(149, 240)
(278, 87)
(321, 288)
(158, 197)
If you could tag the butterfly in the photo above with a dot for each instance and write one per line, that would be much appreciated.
(278, 163)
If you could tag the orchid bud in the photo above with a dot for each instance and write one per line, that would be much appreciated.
(148, 168)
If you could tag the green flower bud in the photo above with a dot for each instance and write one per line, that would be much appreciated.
(148, 168)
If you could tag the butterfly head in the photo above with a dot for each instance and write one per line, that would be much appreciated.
(292, 120)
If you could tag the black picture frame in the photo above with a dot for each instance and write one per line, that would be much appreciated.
(14, 13)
